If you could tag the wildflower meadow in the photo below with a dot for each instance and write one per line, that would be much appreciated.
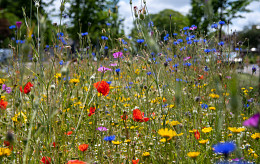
(159, 97)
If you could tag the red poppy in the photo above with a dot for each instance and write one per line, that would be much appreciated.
(27, 88)
(138, 116)
(46, 160)
(200, 77)
(197, 134)
(68, 133)
(135, 161)
(102, 87)
(76, 162)
(124, 117)
(54, 144)
(83, 147)
(3, 104)
(91, 111)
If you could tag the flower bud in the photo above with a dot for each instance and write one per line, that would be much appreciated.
(62, 7)
(64, 70)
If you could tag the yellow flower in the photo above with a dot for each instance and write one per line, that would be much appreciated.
(255, 136)
(90, 123)
(2, 81)
(163, 140)
(193, 154)
(74, 81)
(243, 88)
(137, 71)
(20, 116)
(127, 141)
(203, 141)
(5, 151)
(57, 75)
(225, 94)
(213, 95)
(166, 133)
(207, 130)
(251, 88)
(229, 135)
(236, 130)
(146, 154)
(212, 108)
(213, 90)
(116, 142)
(174, 123)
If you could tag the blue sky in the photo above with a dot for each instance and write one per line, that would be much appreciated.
(183, 6)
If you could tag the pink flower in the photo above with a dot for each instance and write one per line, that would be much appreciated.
(118, 55)
(104, 69)
(18, 24)
(252, 121)
(186, 58)
(113, 65)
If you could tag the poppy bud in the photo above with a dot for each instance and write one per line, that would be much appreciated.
(142, 16)
(62, 7)
(35, 59)
(144, 11)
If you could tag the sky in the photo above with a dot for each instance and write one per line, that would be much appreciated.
(182, 6)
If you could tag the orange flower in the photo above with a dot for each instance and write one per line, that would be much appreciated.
(3, 104)
(46, 160)
(27, 88)
(102, 87)
(76, 162)
(197, 134)
(200, 77)
(135, 161)
(138, 116)
(91, 111)
(83, 147)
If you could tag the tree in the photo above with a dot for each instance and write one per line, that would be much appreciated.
(207, 12)
(87, 16)
(166, 21)
(162, 20)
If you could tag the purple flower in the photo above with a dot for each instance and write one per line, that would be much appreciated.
(4, 87)
(102, 129)
(113, 64)
(252, 121)
(118, 55)
(104, 69)
(18, 24)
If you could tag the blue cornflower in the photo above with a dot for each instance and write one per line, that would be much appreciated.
(206, 68)
(60, 34)
(106, 47)
(187, 38)
(108, 24)
(125, 49)
(221, 22)
(150, 24)
(214, 50)
(196, 41)
(237, 49)
(175, 43)
(130, 83)
(140, 40)
(152, 54)
(12, 27)
(204, 106)
(176, 65)
(225, 148)
(118, 70)
(221, 43)
(246, 105)
(253, 69)
(109, 82)
(61, 62)
(149, 73)
(179, 40)
(187, 64)
(186, 28)
(214, 26)
(84, 33)
(17, 41)
(174, 34)
(189, 42)
(47, 46)
(93, 54)
(104, 38)
(110, 138)
(207, 50)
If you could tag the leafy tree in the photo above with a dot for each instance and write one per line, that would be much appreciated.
(204, 12)
(169, 20)
(249, 37)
